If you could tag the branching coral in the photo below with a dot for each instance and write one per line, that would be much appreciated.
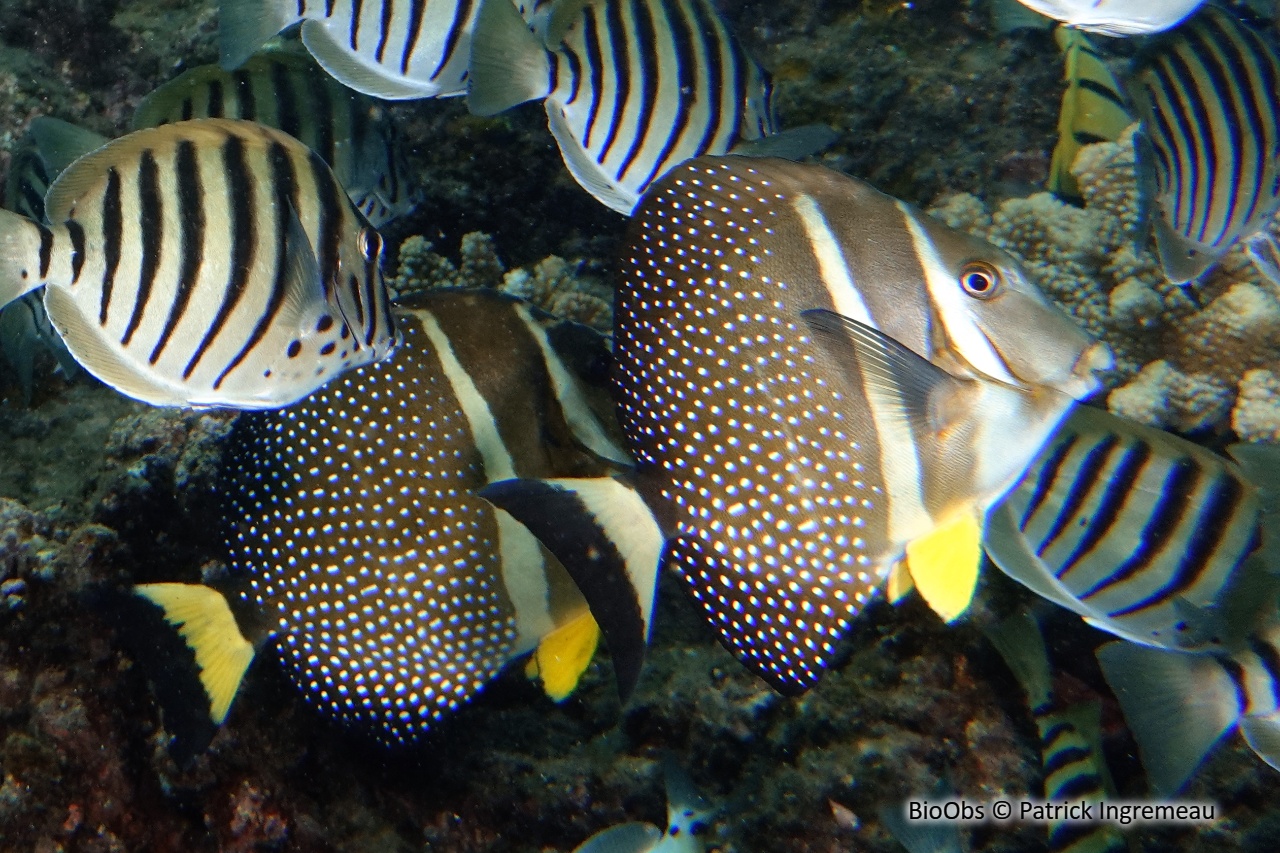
(555, 285)
(1183, 361)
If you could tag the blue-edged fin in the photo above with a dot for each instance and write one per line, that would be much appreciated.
(563, 655)
(509, 65)
(944, 565)
(1177, 706)
(606, 537)
(61, 143)
(635, 837)
(246, 25)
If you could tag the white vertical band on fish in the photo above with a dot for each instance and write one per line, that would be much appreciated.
(1208, 97)
(392, 49)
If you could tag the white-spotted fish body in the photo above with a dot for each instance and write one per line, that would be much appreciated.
(205, 263)
(631, 87)
(390, 50)
(286, 89)
(1117, 17)
(1208, 98)
(788, 459)
(393, 592)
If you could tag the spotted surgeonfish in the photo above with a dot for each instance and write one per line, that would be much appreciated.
(1140, 532)
(812, 376)
(1208, 98)
(387, 49)
(631, 87)
(285, 89)
(390, 590)
(204, 263)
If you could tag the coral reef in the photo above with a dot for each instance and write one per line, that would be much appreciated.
(1184, 361)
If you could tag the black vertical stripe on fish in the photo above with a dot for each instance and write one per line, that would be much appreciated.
(32, 198)
(328, 8)
(1107, 512)
(575, 75)
(1055, 731)
(151, 228)
(1183, 77)
(76, 231)
(188, 109)
(320, 103)
(621, 56)
(1102, 91)
(241, 201)
(1171, 161)
(330, 223)
(1062, 757)
(1269, 656)
(1062, 836)
(357, 6)
(191, 247)
(46, 250)
(112, 234)
(287, 116)
(245, 97)
(1236, 673)
(1046, 479)
(384, 29)
(285, 184)
(687, 82)
(595, 62)
(738, 95)
(1086, 476)
(706, 28)
(411, 37)
(1078, 786)
(359, 303)
(1224, 92)
(461, 11)
(1162, 524)
(646, 55)
(1213, 522)
(216, 107)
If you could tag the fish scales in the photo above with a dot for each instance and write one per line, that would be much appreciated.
(392, 49)
(179, 267)
(288, 91)
(1206, 95)
(394, 591)
(784, 481)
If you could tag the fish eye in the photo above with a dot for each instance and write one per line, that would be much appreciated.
(370, 245)
(980, 279)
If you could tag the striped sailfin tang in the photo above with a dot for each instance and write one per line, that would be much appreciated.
(632, 87)
(392, 49)
(285, 89)
(215, 262)
(1208, 97)
(1126, 525)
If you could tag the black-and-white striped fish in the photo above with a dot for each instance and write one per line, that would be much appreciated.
(285, 89)
(204, 263)
(1071, 753)
(1137, 530)
(391, 591)
(812, 377)
(1208, 98)
(632, 87)
(384, 48)
(1179, 705)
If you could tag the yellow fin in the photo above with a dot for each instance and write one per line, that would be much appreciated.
(899, 585)
(206, 624)
(944, 565)
(1092, 108)
(563, 655)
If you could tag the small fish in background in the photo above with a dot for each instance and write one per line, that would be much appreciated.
(204, 263)
(1070, 737)
(924, 837)
(395, 51)
(24, 325)
(285, 89)
(810, 375)
(1117, 17)
(1208, 98)
(1180, 705)
(1142, 533)
(689, 817)
(631, 87)
(390, 591)
(1093, 110)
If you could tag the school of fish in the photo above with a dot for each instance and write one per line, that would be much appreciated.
(814, 393)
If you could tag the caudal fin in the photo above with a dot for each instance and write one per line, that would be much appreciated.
(605, 536)
(509, 65)
(1177, 706)
(245, 25)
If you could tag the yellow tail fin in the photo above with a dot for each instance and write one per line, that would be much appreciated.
(563, 655)
(944, 565)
